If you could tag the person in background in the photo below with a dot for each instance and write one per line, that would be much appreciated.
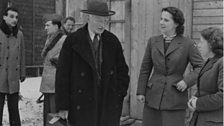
(12, 64)
(50, 53)
(92, 75)
(207, 103)
(166, 57)
(68, 25)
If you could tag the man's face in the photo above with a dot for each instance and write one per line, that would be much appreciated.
(11, 18)
(69, 25)
(50, 28)
(97, 24)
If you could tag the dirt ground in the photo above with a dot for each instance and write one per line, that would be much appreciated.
(30, 111)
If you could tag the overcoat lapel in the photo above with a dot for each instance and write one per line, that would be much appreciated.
(160, 44)
(84, 49)
(208, 65)
(175, 44)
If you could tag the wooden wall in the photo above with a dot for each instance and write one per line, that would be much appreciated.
(145, 17)
(3, 6)
(32, 25)
(206, 13)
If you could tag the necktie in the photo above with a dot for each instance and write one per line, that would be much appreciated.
(95, 42)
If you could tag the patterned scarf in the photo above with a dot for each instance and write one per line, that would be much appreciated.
(5, 28)
(168, 39)
(51, 42)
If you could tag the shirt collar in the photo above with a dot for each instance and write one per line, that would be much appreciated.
(91, 34)
(171, 36)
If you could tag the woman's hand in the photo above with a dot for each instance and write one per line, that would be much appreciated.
(181, 86)
(141, 98)
(63, 114)
(192, 103)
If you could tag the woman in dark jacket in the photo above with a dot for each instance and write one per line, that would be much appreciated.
(208, 101)
(165, 93)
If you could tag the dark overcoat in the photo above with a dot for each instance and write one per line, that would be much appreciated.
(77, 80)
(209, 105)
(160, 90)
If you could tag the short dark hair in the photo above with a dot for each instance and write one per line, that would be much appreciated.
(68, 18)
(56, 22)
(214, 37)
(178, 18)
(5, 13)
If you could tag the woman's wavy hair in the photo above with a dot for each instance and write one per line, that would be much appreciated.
(214, 37)
(178, 18)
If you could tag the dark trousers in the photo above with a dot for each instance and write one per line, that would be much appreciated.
(12, 100)
(154, 117)
(49, 105)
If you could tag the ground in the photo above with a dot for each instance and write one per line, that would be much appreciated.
(30, 111)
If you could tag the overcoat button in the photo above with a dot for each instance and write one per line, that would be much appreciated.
(79, 91)
(78, 107)
(111, 72)
(82, 74)
(16, 69)
(7, 58)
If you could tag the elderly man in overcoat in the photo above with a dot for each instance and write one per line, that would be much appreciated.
(92, 75)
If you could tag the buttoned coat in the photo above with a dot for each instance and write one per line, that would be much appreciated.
(49, 70)
(168, 69)
(12, 62)
(77, 80)
(209, 105)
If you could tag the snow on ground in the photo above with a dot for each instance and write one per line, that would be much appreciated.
(30, 111)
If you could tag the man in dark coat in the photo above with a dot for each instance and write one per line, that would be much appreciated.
(92, 75)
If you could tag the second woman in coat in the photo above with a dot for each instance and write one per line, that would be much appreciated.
(165, 93)
(208, 101)
(50, 53)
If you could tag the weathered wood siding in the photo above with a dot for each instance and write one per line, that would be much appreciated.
(206, 13)
(31, 12)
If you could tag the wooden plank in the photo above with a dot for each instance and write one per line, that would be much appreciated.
(119, 8)
(201, 27)
(73, 9)
(134, 107)
(186, 7)
(196, 34)
(208, 20)
(208, 12)
(208, 5)
(206, 0)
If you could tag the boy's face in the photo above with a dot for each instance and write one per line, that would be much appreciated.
(69, 25)
(11, 18)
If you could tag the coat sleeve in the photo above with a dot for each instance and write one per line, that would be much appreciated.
(22, 58)
(122, 70)
(145, 71)
(63, 76)
(212, 101)
(196, 61)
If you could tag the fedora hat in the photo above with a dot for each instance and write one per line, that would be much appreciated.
(98, 8)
